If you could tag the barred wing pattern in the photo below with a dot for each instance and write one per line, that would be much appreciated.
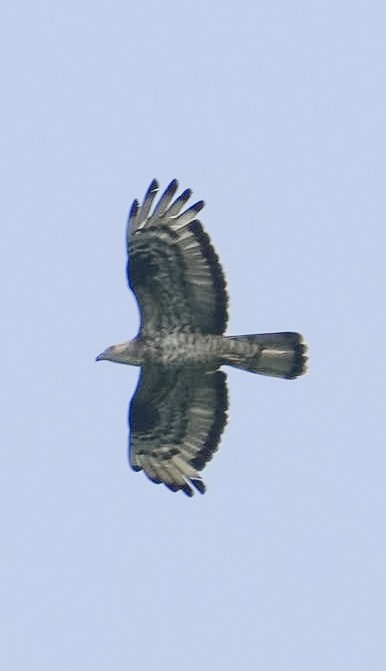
(179, 409)
(176, 418)
(172, 267)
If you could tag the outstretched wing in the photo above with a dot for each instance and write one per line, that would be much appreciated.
(172, 267)
(176, 418)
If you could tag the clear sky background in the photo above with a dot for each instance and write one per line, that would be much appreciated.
(274, 113)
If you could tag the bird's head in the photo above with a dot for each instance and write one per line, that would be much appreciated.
(123, 353)
(106, 355)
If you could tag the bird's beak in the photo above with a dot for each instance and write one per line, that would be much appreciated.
(100, 357)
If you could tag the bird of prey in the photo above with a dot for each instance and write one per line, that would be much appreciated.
(179, 409)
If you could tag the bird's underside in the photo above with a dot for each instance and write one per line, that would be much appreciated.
(179, 409)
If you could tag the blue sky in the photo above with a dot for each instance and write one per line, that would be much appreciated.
(274, 113)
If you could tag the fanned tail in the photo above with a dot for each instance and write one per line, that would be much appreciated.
(276, 354)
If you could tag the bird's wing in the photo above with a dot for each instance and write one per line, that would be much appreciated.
(172, 267)
(176, 418)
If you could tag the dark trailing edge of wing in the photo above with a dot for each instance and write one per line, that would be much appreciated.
(216, 272)
(213, 438)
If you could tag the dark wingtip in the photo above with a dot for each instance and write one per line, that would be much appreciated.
(199, 485)
(172, 487)
(187, 490)
(169, 191)
(173, 186)
(153, 186)
(133, 210)
(185, 195)
(197, 207)
(151, 191)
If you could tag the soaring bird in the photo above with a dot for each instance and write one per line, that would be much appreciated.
(179, 409)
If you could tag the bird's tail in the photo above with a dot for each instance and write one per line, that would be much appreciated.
(275, 354)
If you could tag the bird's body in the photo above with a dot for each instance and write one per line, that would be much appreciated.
(266, 353)
(179, 409)
(178, 349)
